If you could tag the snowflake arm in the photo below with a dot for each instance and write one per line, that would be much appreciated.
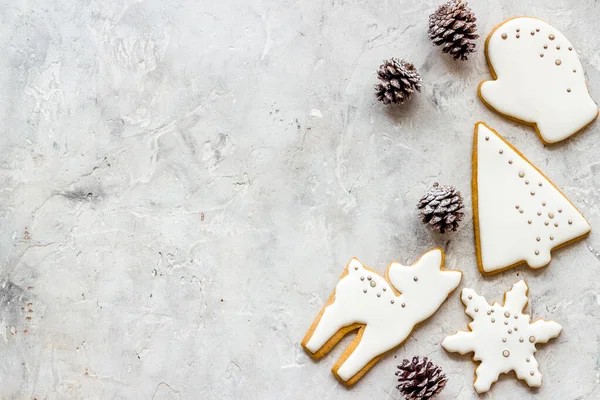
(529, 372)
(543, 331)
(486, 374)
(461, 342)
(473, 303)
(516, 299)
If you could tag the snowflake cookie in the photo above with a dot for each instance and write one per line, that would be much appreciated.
(502, 337)
(538, 79)
(384, 310)
(520, 216)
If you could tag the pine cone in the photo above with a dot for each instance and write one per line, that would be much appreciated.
(420, 379)
(440, 208)
(400, 80)
(453, 26)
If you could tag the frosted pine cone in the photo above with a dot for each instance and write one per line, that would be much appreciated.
(420, 379)
(440, 208)
(399, 81)
(453, 27)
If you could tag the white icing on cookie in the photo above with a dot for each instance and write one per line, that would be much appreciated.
(502, 337)
(365, 297)
(521, 215)
(539, 79)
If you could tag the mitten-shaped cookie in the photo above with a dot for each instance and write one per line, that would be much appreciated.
(539, 79)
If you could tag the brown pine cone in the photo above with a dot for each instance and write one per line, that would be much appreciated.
(399, 81)
(453, 27)
(420, 379)
(440, 208)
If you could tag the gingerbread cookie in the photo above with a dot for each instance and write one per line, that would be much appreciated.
(384, 310)
(520, 216)
(501, 337)
(539, 79)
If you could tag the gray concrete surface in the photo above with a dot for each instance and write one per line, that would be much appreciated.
(182, 182)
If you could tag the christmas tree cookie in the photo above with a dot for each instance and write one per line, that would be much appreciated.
(383, 309)
(520, 216)
(502, 337)
(538, 79)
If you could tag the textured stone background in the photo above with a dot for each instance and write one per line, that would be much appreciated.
(182, 182)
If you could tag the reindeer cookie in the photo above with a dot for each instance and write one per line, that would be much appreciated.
(384, 310)
(538, 79)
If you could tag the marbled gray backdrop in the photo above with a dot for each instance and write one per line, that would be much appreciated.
(182, 183)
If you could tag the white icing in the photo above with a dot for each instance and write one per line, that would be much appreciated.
(501, 347)
(388, 322)
(532, 88)
(506, 181)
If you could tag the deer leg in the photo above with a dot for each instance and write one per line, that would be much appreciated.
(331, 321)
(369, 347)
